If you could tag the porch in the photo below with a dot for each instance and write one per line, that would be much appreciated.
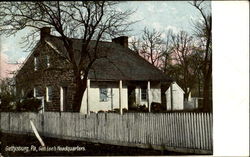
(107, 95)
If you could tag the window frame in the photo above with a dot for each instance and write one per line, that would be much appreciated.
(47, 61)
(143, 94)
(35, 92)
(35, 63)
(102, 94)
(49, 94)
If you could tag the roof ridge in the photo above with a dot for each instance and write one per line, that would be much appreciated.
(77, 39)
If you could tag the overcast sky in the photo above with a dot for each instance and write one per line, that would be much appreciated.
(160, 15)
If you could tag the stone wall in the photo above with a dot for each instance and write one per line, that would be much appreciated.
(57, 74)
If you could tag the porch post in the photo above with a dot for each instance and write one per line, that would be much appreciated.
(120, 96)
(149, 96)
(88, 96)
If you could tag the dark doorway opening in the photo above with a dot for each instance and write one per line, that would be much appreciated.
(131, 98)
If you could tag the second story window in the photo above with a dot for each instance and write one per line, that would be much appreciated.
(35, 63)
(47, 61)
(48, 93)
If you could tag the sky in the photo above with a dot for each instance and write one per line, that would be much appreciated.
(159, 15)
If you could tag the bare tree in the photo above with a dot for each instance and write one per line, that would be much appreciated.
(181, 67)
(165, 58)
(135, 45)
(7, 93)
(86, 20)
(203, 32)
(196, 61)
(150, 46)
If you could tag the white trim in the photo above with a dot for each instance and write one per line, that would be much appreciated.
(120, 96)
(35, 64)
(88, 96)
(149, 96)
(47, 94)
(61, 99)
(34, 92)
(48, 61)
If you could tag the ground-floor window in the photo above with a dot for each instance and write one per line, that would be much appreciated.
(103, 94)
(143, 93)
(48, 93)
(35, 92)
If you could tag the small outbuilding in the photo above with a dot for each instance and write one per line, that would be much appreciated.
(174, 97)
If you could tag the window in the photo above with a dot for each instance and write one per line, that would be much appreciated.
(49, 94)
(143, 94)
(36, 93)
(35, 63)
(22, 93)
(103, 94)
(47, 61)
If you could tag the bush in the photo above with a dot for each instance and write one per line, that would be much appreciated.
(28, 105)
(156, 107)
(124, 110)
(139, 108)
(6, 103)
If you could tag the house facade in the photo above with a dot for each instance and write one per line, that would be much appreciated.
(121, 79)
(105, 95)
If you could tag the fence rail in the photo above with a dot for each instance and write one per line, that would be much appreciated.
(190, 131)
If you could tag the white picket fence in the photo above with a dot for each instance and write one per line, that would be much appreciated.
(171, 131)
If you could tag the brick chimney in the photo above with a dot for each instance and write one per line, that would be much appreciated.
(45, 31)
(122, 40)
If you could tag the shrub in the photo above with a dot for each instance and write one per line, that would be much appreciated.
(30, 105)
(6, 102)
(156, 107)
(124, 110)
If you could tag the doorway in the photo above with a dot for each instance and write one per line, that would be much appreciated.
(131, 97)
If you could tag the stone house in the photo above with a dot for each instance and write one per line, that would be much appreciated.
(121, 79)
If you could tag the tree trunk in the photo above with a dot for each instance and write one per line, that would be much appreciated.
(206, 96)
(199, 87)
(207, 104)
(80, 88)
(186, 96)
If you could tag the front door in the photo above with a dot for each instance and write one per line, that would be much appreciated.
(131, 97)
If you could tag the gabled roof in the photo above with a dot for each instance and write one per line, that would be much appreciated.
(119, 63)
(168, 84)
